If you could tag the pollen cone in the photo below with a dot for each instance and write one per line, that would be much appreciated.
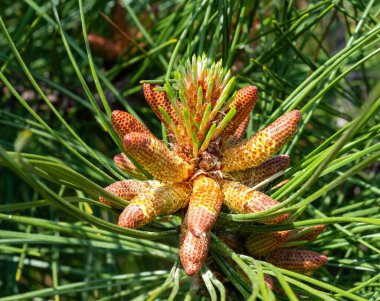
(156, 158)
(159, 99)
(233, 239)
(149, 204)
(259, 244)
(297, 260)
(255, 175)
(308, 233)
(262, 145)
(127, 189)
(239, 133)
(124, 123)
(103, 47)
(244, 102)
(205, 204)
(241, 199)
(193, 250)
(122, 161)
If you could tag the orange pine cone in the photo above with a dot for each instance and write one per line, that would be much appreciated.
(255, 175)
(239, 133)
(149, 204)
(193, 250)
(244, 102)
(103, 47)
(127, 189)
(262, 145)
(241, 199)
(259, 244)
(159, 99)
(124, 123)
(156, 158)
(234, 240)
(297, 260)
(308, 233)
(122, 161)
(204, 206)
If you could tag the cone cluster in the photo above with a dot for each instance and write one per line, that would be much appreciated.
(207, 162)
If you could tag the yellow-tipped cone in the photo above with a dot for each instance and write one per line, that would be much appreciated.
(156, 158)
(262, 145)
